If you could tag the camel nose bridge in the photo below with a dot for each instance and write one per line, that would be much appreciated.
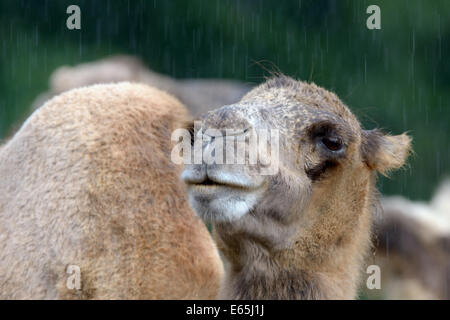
(228, 118)
(226, 133)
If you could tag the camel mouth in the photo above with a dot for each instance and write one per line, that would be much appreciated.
(221, 195)
(210, 184)
(215, 179)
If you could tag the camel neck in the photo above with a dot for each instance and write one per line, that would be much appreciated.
(284, 285)
(253, 272)
(280, 260)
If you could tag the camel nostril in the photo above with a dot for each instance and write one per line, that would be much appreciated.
(237, 132)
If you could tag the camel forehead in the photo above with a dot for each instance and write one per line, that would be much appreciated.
(285, 104)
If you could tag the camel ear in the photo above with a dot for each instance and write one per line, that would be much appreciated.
(384, 152)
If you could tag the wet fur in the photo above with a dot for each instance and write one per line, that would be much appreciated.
(88, 181)
(308, 236)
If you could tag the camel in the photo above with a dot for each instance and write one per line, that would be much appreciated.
(88, 190)
(304, 231)
(441, 199)
(198, 95)
(412, 248)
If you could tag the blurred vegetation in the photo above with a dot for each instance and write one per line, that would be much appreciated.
(397, 78)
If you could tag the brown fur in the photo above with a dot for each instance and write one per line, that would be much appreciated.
(309, 232)
(88, 181)
(411, 242)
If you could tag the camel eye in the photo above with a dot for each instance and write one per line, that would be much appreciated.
(332, 143)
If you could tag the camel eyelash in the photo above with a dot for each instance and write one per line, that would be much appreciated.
(332, 144)
(324, 135)
(322, 128)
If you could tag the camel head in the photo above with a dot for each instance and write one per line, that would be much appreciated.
(318, 182)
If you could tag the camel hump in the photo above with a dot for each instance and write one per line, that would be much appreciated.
(88, 184)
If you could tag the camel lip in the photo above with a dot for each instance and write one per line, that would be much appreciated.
(215, 179)
(210, 184)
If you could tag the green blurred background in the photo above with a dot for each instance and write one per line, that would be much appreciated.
(397, 78)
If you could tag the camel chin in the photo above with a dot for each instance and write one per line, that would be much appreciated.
(221, 204)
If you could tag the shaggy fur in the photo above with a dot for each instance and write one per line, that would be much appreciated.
(302, 233)
(88, 181)
(411, 242)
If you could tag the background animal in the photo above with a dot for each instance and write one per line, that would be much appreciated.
(411, 246)
(303, 231)
(199, 95)
(87, 181)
